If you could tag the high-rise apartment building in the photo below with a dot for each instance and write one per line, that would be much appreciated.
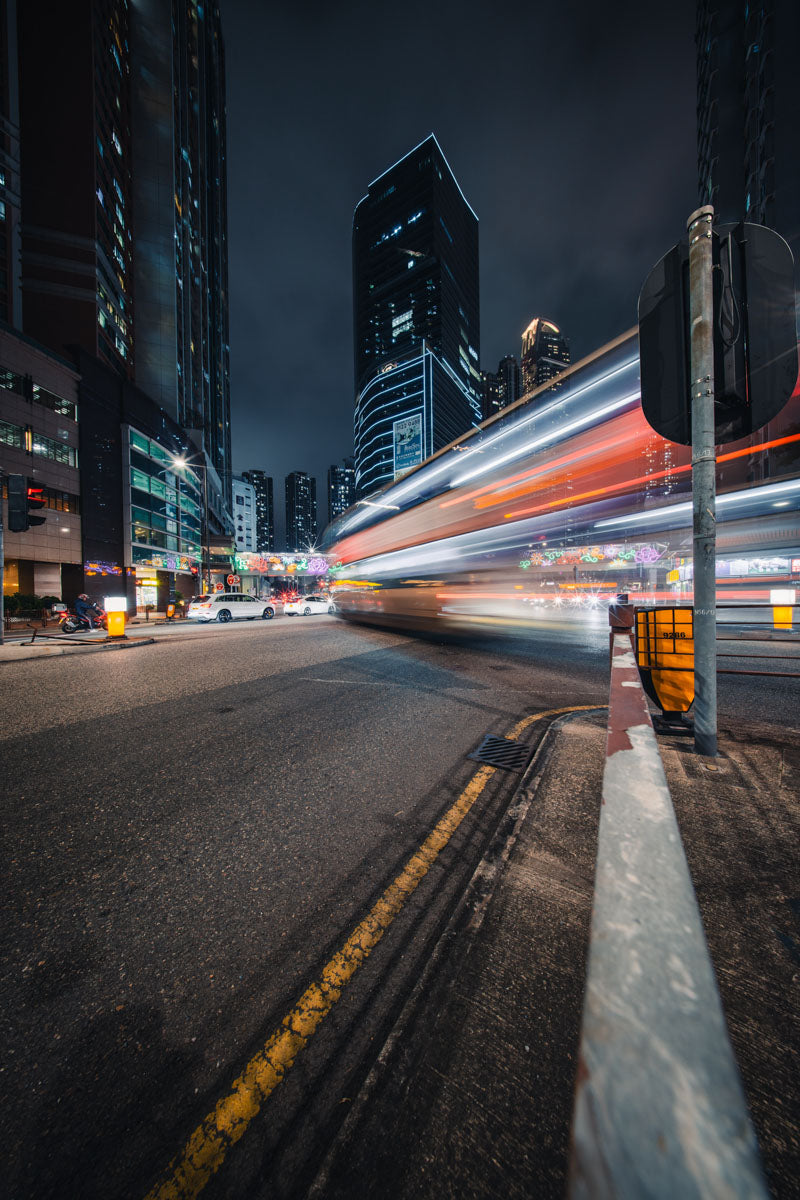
(416, 316)
(501, 387)
(748, 109)
(265, 510)
(244, 514)
(301, 512)
(341, 488)
(545, 354)
(124, 247)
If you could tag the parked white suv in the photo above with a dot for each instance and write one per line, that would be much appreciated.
(229, 606)
(306, 605)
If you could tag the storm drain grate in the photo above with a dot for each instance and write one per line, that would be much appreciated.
(500, 752)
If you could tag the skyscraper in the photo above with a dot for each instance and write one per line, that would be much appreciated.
(124, 248)
(301, 511)
(265, 510)
(416, 316)
(545, 353)
(341, 488)
(748, 114)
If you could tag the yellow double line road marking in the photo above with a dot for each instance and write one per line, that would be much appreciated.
(205, 1151)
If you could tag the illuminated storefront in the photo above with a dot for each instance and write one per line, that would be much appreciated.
(163, 512)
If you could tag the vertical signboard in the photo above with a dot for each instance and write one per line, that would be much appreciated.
(407, 438)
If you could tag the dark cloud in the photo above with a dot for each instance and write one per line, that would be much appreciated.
(570, 128)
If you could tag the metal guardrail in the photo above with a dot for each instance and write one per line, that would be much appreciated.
(659, 1109)
(783, 617)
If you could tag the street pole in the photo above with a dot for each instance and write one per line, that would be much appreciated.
(207, 532)
(704, 462)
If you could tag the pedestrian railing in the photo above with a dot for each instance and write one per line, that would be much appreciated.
(659, 1108)
(28, 619)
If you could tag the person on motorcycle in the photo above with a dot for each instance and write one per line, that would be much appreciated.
(86, 610)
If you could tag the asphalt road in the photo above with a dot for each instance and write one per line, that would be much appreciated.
(193, 829)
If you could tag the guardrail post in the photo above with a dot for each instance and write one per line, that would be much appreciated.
(659, 1107)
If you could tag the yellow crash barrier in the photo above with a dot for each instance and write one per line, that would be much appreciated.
(665, 656)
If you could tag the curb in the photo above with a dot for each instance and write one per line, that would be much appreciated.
(466, 919)
(62, 651)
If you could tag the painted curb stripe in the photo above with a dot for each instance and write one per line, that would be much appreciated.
(221, 1129)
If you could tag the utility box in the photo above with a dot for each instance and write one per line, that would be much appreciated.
(665, 656)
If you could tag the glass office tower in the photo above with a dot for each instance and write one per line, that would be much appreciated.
(416, 316)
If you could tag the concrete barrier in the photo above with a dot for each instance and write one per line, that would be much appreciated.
(659, 1107)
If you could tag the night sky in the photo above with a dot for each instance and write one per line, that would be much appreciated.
(570, 128)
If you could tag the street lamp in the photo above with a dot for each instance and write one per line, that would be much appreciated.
(182, 463)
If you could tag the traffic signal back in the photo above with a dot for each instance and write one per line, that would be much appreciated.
(24, 498)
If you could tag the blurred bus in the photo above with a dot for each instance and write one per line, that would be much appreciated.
(558, 503)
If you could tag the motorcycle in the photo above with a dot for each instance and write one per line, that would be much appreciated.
(71, 623)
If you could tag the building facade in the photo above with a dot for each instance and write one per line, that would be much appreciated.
(341, 488)
(748, 114)
(301, 511)
(142, 512)
(39, 436)
(265, 510)
(244, 515)
(416, 316)
(545, 354)
(10, 198)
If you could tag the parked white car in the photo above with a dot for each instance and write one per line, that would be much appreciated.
(306, 606)
(229, 606)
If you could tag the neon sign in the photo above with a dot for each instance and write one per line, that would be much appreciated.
(280, 564)
(643, 555)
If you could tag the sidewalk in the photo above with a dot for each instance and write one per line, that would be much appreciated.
(473, 1094)
(51, 643)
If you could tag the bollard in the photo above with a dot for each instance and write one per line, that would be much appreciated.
(782, 601)
(116, 607)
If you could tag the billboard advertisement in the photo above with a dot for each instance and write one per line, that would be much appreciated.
(407, 443)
